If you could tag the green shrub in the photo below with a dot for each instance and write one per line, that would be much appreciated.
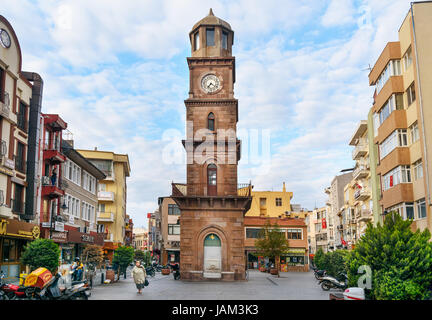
(400, 260)
(41, 253)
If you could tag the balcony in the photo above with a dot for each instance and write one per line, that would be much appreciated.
(54, 122)
(365, 215)
(106, 196)
(53, 191)
(362, 195)
(53, 156)
(221, 189)
(105, 216)
(360, 172)
(108, 237)
(359, 151)
(5, 111)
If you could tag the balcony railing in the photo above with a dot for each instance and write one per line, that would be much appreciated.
(105, 216)
(362, 195)
(108, 237)
(106, 196)
(360, 172)
(359, 151)
(220, 189)
(365, 215)
(53, 190)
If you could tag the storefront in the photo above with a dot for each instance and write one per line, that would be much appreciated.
(173, 256)
(14, 235)
(294, 260)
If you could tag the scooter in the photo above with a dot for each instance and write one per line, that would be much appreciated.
(176, 271)
(329, 282)
(10, 291)
(53, 292)
(150, 271)
(319, 274)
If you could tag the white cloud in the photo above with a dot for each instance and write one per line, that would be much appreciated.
(339, 12)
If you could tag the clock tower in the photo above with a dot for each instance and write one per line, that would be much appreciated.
(212, 203)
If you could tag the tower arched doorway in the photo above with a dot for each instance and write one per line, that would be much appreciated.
(212, 256)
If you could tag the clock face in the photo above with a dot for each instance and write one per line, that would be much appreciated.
(5, 38)
(210, 83)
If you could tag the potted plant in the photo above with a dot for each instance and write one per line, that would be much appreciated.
(166, 271)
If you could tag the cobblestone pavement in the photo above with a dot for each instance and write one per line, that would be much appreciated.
(260, 286)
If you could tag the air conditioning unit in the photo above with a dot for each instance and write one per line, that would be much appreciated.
(46, 181)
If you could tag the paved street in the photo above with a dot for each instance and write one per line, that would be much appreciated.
(261, 286)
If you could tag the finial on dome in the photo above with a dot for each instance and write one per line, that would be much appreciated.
(211, 12)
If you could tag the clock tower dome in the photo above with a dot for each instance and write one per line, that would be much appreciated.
(212, 203)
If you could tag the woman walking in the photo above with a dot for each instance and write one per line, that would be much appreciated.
(139, 275)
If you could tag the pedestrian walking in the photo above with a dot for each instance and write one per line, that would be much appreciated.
(139, 275)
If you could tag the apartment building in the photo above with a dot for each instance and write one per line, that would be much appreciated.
(128, 240)
(362, 202)
(140, 239)
(155, 234)
(334, 204)
(20, 104)
(401, 119)
(112, 196)
(317, 230)
(295, 230)
(170, 230)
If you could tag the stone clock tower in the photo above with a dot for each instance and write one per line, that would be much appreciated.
(212, 203)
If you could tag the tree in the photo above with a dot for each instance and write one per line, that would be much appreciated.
(400, 260)
(93, 255)
(123, 256)
(319, 259)
(41, 253)
(143, 256)
(271, 243)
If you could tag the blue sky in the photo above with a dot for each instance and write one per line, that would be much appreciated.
(116, 72)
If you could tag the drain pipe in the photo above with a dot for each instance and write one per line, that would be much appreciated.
(33, 144)
(425, 162)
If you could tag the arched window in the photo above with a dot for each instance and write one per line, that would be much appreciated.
(212, 180)
(211, 121)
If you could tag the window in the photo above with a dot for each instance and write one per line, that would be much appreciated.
(101, 207)
(73, 205)
(421, 208)
(89, 182)
(395, 102)
(401, 174)
(18, 205)
(397, 139)
(173, 229)
(392, 69)
(105, 166)
(253, 233)
(211, 121)
(411, 94)
(173, 209)
(295, 234)
(74, 173)
(22, 117)
(407, 58)
(418, 170)
(278, 202)
(414, 130)
(210, 41)
(196, 41)
(225, 40)
(20, 158)
(2, 75)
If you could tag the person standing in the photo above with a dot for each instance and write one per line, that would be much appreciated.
(139, 275)
(54, 177)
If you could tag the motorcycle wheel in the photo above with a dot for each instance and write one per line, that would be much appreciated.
(81, 296)
(317, 276)
(325, 286)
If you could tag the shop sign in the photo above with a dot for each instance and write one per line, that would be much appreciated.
(6, 171)
(59, 226)
(87, 238)
(20, 229)
(46, 224)
(59, 236)
(296, 251)
(71, 219)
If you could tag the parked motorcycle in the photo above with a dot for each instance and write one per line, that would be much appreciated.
(329, 282)
(52, 291)
(319, 274)
(176, 271)
(150, 271)
(10, 291)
